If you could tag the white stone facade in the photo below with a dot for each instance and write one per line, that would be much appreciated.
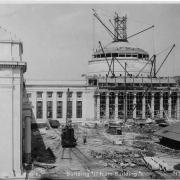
(86, 97)
(11, 97)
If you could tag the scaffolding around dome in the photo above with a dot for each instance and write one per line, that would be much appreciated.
(126, 80)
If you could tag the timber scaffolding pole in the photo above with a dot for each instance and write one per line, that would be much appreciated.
(125, 94)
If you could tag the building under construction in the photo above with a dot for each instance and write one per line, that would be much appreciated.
(122, 83)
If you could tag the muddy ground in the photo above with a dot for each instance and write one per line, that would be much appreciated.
(100, 157)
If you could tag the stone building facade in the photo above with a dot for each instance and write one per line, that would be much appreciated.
(13, 116)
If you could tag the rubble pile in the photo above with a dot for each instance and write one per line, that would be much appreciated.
(116, 159)
(137, 128)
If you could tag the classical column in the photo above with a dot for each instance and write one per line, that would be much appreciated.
(107, 105)
(143, 107)
(34, 103)
(44, 106)
(54, 105)
(116, 106)
(27, 131)
(152, 105)
(134, 106)
(161, 105)
(74, 105)
(169, 105)
(64, 99)
(178, 105)
(98, 106)
(125, 106)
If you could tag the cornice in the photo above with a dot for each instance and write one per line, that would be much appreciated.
(13, 64)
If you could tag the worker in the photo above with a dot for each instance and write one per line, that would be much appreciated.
(84, 139)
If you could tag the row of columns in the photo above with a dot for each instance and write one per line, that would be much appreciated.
(134, 105)
(54, 100)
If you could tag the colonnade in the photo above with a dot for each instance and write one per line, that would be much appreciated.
(161, 110)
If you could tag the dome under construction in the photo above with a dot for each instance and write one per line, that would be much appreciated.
(111, 59)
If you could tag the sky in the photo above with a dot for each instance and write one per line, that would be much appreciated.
(58, 39)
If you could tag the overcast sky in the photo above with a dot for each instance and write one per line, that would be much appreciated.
(58, 38)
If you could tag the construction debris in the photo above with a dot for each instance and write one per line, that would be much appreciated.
(156, 163)
(120, 154)
(118, 159)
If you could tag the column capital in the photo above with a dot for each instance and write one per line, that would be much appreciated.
(97, 94)
(107, 94)
(116, 93)
(161, 94)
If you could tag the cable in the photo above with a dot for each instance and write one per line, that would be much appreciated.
(173, 64)
(93, 33)
(163, 50)
(137, 21)
(153, 41)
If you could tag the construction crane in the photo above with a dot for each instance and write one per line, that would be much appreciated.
(119, 27)
(99, 19)
(141, 31)
(164, 59)
(67, 137)
(111, 64)
(144, 66)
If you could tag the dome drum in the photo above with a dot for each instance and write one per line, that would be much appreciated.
(120, 53)
(101, 68)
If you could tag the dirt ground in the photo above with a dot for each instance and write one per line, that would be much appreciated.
(100, 158)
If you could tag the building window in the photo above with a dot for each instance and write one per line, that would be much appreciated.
(134, 55)
(69, 109)
(70, 95)
(114, 54)
(140, 56)
(111, 105)
(39, 110)
(59, 109)
(28, 95)
(102, 105)
(79, 94)
(39, 94)
(102, 55)
(79, 109)
(59, 94)
(49, 109)
(128, 55)
(121, 55)
(49, 94)
(108, 55)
